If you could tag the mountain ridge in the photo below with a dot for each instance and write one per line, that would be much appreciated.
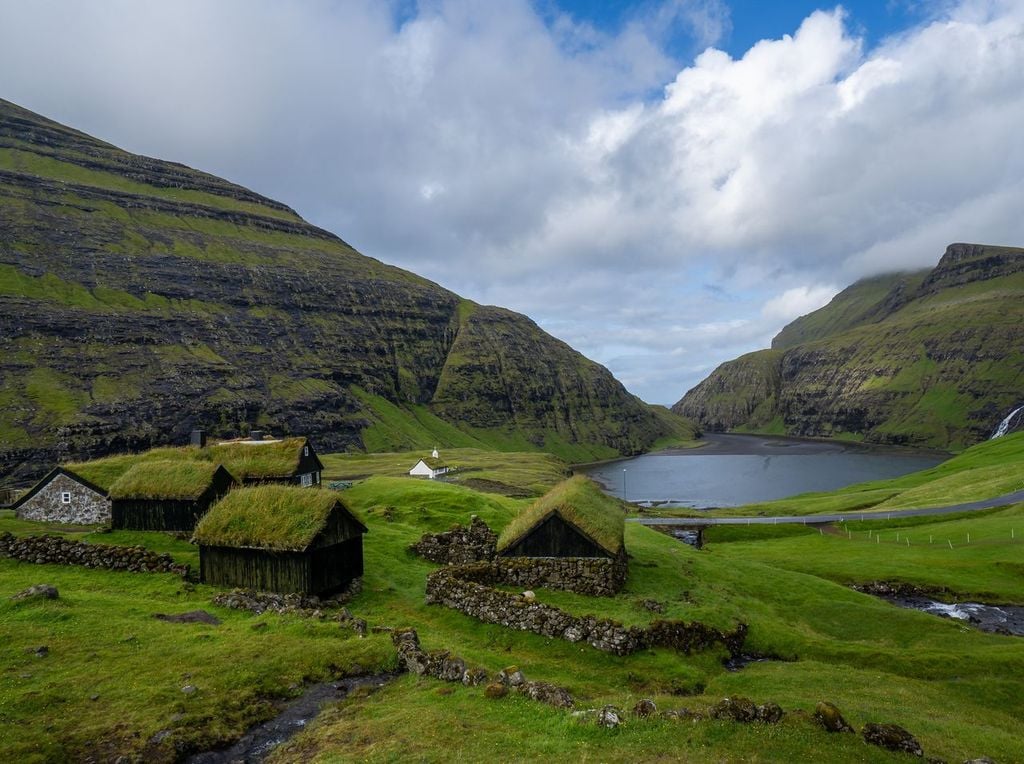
(141, 298)
(930, 357)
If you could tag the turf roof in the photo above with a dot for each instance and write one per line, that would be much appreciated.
(165, 479)
(579, 501)
(258, 459)
(434, 464)
(266, 459)
(278, 517)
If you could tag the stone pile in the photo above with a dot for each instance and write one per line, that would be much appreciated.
(459, 545)
(450, 587)
(263, 602)
(56, 550)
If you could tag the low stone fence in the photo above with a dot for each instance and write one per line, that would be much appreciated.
(459, 545)
(595, 576)
(61, 551)
(458, 588)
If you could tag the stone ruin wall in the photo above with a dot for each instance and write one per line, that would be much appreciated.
(474, 550)
(86, 508)
(61, 551)
(454, 587)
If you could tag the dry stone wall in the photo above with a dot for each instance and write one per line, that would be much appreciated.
(473, 549)
(459, 588)
(459, 545)
(61, 551)
(86, 507)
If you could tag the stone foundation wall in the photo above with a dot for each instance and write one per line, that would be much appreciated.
(456, 588)
(85, 508)
(594, 576)
(459, 545)
(473, 549)
(60, 551)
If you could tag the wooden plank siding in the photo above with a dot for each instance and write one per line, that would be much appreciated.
(554, 537)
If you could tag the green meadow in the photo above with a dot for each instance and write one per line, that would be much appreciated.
(112, 682)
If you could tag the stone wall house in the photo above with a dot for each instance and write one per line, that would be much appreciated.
(64, 497)
(575, 520)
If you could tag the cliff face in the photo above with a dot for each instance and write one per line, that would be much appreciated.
(934, 358)
(140, 299)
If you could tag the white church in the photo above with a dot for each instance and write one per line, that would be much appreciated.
(429, 466)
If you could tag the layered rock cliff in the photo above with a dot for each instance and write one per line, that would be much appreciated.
(934, 357)
(140, 299)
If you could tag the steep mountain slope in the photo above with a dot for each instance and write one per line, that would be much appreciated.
(933, 357)
(140, 298)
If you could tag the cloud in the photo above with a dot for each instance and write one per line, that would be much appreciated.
(659, 218)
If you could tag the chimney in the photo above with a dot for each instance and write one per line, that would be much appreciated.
(256, 435)
(197, 438)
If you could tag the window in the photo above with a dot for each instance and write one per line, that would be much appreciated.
(65, 497)
(307, 480)
(305, 450)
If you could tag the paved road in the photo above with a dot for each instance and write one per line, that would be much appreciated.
(998, 501)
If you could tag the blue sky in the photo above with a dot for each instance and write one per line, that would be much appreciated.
(753, 20)
(641, 179)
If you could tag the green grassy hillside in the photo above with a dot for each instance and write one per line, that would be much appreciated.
(112, 682)
(930, 358)
(140, 298)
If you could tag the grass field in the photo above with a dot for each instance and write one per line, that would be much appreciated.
(956, 688)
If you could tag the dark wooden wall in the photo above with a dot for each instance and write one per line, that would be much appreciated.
(554, 538)
(318, 571)
(255, 569)
(156, 515)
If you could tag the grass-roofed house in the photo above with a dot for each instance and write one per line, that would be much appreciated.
(281, 539)
(258, 459)
(429, 466)
(574, 530)
(167, 495)
(64, 496)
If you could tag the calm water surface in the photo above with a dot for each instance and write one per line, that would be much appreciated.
(741, 469)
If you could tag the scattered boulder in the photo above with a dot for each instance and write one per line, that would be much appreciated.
(980, 760)
(190, 689)
(529, 596)
(892, 737)
(192, 616)
(495, 690)
(770, 713)
(652, 605)
(475, 677)
(609, 717)
(551, 694)
(738, 709)
(644, 708)
(830, 718)
(512, 676)
(39, 591)
(39, 652)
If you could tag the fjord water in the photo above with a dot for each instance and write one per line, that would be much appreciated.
(730, 470)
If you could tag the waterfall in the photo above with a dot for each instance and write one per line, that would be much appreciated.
(1005, 424)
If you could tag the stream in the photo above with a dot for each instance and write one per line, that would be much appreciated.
(998, 619)
(256, 744)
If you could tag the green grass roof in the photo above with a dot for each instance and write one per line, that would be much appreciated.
(165, 479)
(267, 459)
(579, 501)
(106, 471)
(258, 459)
(434, 464)
(281, 517)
